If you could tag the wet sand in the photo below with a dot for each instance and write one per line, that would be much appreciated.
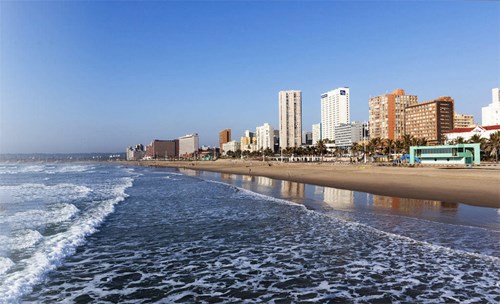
(478, 186)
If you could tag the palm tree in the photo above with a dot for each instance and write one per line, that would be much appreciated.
(421, 141)
(407, 142)
(459, 140)
(398, 146)
(321, 147)
(388, 145)
(375, 145)
(475, 139)
(493, 145)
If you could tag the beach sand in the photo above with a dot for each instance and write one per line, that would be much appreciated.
(478, 186)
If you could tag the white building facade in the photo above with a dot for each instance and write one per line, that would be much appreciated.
(231, 146)
(188, 144)
(290, 118)
(316, 131)
(335, 110)
(491, 113)
(265, 137)
(348, 134)
(467, 133)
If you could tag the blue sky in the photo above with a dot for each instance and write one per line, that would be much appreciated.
(92, 76)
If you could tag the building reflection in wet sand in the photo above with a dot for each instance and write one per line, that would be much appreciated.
(264, 181)
(411, 205)
(293, 191)
(338, 198)
(189, 172)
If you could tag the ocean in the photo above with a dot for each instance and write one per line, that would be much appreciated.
(105, 232)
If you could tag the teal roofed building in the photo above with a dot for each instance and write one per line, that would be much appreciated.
(460, 154)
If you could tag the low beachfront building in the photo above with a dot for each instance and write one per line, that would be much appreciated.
(135, 153)
(467, 133)
(460, 154)
(231, 146)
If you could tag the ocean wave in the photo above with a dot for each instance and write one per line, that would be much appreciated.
(53, 249)
(5, 265)
(20, 240)
(47, 193)
(45, 168)
(55, 213)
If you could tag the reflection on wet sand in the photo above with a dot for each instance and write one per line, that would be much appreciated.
(411, 205)
(189, 172)
(338, 198)
(264, 181)
(293, 191)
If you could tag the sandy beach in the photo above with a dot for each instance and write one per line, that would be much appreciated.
(478, 186)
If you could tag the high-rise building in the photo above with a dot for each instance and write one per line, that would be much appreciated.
(265, 137)
(387, 114)
(224, 137)
(347, 134)
(462, 121)
(430, 120)
(188, 145)
(334, 111)
(491, 113)
(162, 149)
(316, 133)
(290, 118)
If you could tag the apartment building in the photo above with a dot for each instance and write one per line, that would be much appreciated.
(430, 120)
(387, 114)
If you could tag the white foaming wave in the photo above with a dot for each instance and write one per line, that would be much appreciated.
(33, 218)
(55, 248)
(21, 240)
(69, 169)
(30, 191)
(48, 169)
(351, 224)
(5, 265)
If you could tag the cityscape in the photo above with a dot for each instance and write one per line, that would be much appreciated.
(395, 121)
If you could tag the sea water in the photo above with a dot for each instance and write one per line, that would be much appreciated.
(111, 233)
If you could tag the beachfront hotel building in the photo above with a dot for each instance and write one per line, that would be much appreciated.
(462, 121)
(316, 133)
(265, 137)
(334, 111)
(231, 146)
(135, 153)
(348, 134)
(491, 113)
(248, 141)
(387, 114)
(430, 120)
(162, 149)
(188, 145)
(224, 137)
(290, 118)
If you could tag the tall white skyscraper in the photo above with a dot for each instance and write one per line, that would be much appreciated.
(290, 118)
(265, 137)
(316, 130)
(334, 111)
(491, 113)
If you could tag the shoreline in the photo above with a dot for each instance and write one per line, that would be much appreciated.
(473, 186)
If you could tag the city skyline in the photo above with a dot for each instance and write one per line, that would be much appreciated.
(96, 77)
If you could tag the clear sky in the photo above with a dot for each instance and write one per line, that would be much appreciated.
(91, 76)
